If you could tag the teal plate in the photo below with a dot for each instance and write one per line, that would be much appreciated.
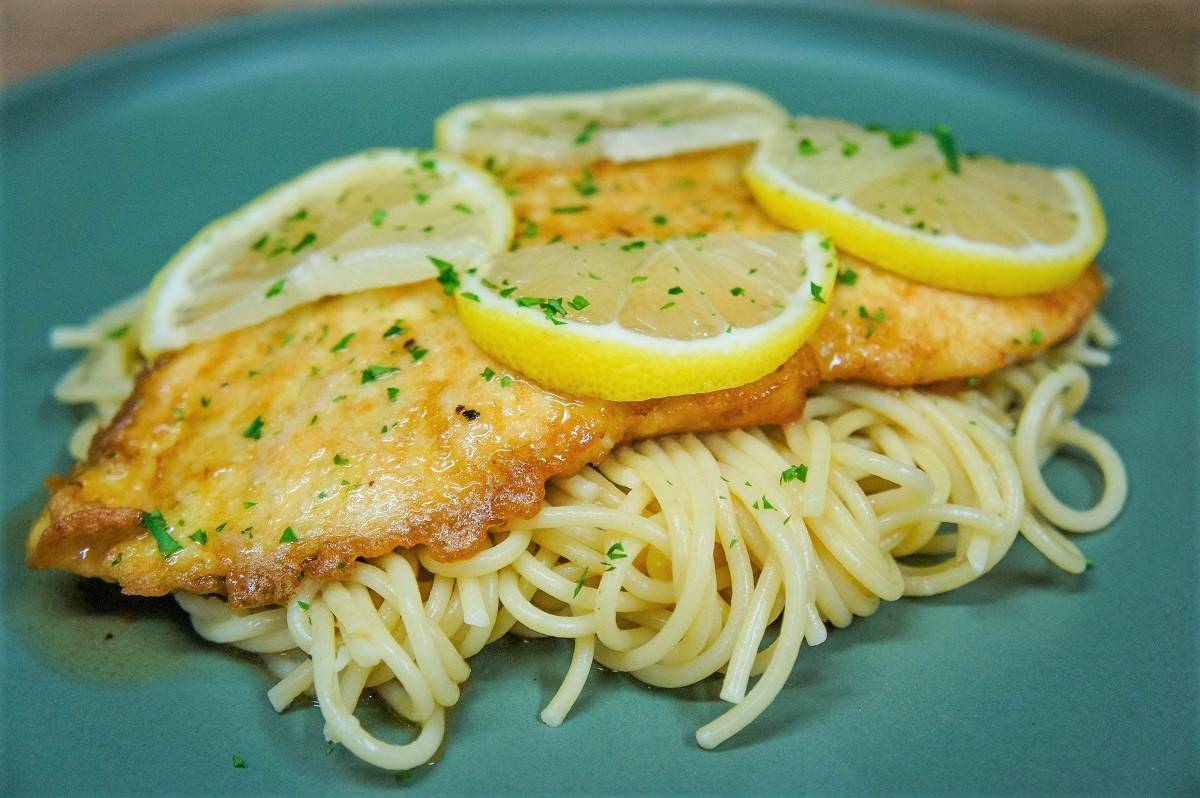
(1029, 681)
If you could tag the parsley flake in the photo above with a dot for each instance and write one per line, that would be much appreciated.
(340, 460)
(156, 525)
(344, 342)
(578, 302)
(815, 290)
(949, 150)
(288, 536)
(447, 276)
(796, 473)
(276, 288)
(254, 431)
(373, 373)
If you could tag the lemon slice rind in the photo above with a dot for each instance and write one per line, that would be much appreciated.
(612, 362)
(947, 260)
(631, 123)
(201, 262)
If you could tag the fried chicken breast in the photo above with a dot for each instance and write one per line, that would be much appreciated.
(357, 424)
(340, 430)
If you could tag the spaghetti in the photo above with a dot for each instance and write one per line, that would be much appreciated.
(674, 558)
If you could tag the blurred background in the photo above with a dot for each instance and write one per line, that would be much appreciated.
(1158, 36)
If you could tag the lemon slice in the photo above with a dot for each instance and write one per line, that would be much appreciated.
(364, 221)
(628, 124)
(910, 203)
(631, 318)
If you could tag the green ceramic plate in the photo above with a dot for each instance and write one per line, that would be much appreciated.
(1029, 681)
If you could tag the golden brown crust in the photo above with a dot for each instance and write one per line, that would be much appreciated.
(888, 330)
(452, 454)
(433, 454)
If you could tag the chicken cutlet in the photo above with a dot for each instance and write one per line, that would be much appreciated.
(340, 430)
(881, 327)
(358, 424)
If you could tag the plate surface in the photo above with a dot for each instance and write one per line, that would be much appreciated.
(1028, 681)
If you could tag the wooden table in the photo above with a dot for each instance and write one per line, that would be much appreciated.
(1159, 36)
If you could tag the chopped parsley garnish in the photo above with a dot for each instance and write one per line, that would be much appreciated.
(551, 308)
(373, 373)
(304, 605)
(254, 431)
(248, 505)
(578, 302)
(570, 209)
(667, 306)
(238, 762)
(288, 536)
(505, 381)
(458, 206)
(261, 242)
(344, 342)
(298, 215)
(579, 582)
(447, 276)
(737, 290)
(392, 394)
(1035, 336)
(117, 333)
(339, 398)
(766, 504)
(418, 352)
(586, 134)
(340, 460)
(199, 536)
(848, 277)
(675, 290)
(616, 551)
(469, 295)
(895, 138)
(659, 219)
(806, 147)
(863, 313)
(638, 278)
(396, 329)
(157, 526)
(487, 374)
(304, 242)
(972, 381)
(945, 143)
(377, 216)
(276, 288)
(531, 230)
(585, 185)
(632, 245)
(815, 290)
(205, 401)
(849, 148)
(796, 473)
